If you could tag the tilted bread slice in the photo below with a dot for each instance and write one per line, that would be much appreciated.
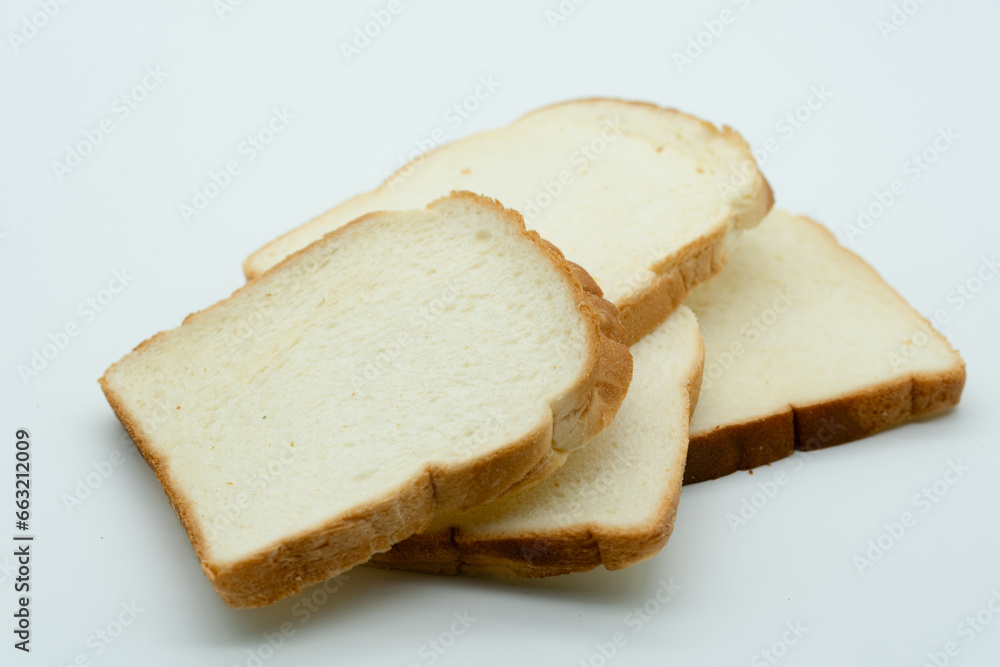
(641, 196)
(807, 347)
(409, 362)
(614, 501)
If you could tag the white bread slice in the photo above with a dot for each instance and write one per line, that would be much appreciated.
(641, 196)
(614, 501)
(409, 362)
(831, 368)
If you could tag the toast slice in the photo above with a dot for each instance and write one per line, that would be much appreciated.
(614, 501)
(410, 362)
(641, 196)
(807, 347)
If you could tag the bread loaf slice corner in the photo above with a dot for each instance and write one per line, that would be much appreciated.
(612, 504)
(408, 363)
(807, 347)
(643, 197)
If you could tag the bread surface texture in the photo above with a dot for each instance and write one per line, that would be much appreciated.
(612, 503)
(407, 363)
(807, 347)
(641, 196)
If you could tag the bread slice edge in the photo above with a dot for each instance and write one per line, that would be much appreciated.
(284, 567)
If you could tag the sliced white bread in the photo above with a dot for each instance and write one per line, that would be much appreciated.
(614, 501)
(408, 363)
(807, 347)
(643, 197)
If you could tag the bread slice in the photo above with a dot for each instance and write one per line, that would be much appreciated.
(641, 196)
(409, 362)
(807, 347)
(614, 501)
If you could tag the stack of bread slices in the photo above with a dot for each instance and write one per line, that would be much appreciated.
(509, 357)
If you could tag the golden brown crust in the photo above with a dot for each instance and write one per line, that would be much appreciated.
(674, 278)
(669, 287)
(559, 551)
(841, 419)
(283, 568)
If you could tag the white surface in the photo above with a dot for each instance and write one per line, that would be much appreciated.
(792, 562)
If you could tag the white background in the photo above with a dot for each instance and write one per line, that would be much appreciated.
(793, 562)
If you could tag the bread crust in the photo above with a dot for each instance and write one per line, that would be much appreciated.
(563, 550)
(674, 276)
(284, 567)
(840, 419)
